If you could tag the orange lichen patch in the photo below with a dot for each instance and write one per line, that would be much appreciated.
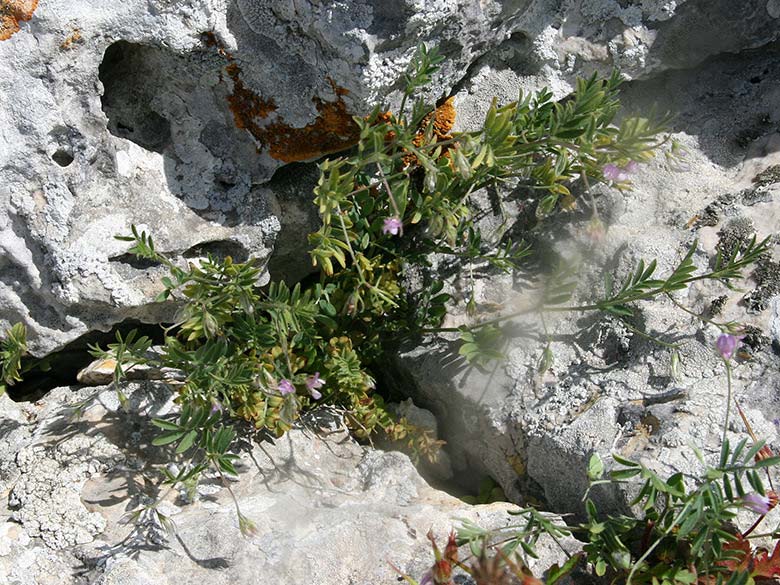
(246, 106)
(12, 12)
(211, 41)
(72, 39)
(385, 118)
(333, 130)
(443, 120)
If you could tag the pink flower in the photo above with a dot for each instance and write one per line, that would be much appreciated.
(727, 345)
(216, 406)
(392, 225)
(595, 230)
(313, 383)
(756, 503)
(618, 174)
(613, 173)
(285, 387)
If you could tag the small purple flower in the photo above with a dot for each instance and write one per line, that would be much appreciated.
(313, 383)
(285, 387)
(392, 225)
(756, 503)
(613, 172)
(618, 174)
(727, 345)
(427, 578)
(216, 406)
(631, 167)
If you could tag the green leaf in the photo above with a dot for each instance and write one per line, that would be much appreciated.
(595, 467)
(187, 441)
(167, 438)
(556, 573)
(623, 474)
(601, 567)
(227, 466)
(165, 425)
(623, 461)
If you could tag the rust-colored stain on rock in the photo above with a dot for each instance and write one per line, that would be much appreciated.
(443, 121)
(246, 106)
(332, 131)
(12, 12)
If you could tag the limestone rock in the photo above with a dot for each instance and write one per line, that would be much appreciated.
(45, 498)
(609, 389)
(323, 505)
(172, 116)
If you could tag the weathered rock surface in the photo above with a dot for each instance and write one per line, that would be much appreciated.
(173, 115)
(176, 117)
(610, 389)
(327, 510)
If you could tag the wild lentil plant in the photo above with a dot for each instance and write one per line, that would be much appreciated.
(683, 531)
(683, 535)
(404, 192)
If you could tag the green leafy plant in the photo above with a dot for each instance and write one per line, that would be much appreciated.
(682, 530)
(15, 362)
(489, 492)
(404, 193)
(684, 534)
(12, 348)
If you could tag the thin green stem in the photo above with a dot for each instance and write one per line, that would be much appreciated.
(652, 547)
(348, 241)
(648, 336)
(721, 326)
(728, 399)
(402, 107)
(392, 199)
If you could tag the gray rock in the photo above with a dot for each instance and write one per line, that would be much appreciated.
(45, 498)
(323, 505)
(775, 322)
(115, 117)
(609, 389)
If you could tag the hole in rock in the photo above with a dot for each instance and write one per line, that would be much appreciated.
(62, 157)
(128, 101)
(219, 249)
(134, 261)
(65, 364)
(395, 383)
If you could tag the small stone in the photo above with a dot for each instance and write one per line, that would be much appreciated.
(773, 8)
(98, 373)
(101, 372)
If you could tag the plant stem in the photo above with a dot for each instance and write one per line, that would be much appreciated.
(721, 326)
(649, 337)
(653, 546)
(728, 399)
(390, 195)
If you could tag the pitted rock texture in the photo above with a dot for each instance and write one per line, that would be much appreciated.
(168, 115)
(323, 505)
(609, 388)
(45, 499)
